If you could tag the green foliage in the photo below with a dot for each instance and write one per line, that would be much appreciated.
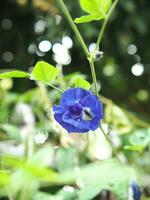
(95, 180)
(139, 140)
(66, 158)
(14, 74)
(44, 72)
(69, 166)
(97, 10)
(92, 178)
(12, 131)
(140, 137)
(116, 116)
(80, 82)
(138, 148)
(4, 177)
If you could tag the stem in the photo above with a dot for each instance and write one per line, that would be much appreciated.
(58, 89)
(110, 143)
(81, 41)
(105, 23)
(91, 62)
(73, 26)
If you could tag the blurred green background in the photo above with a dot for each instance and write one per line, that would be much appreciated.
(25, 24)
(38, 159)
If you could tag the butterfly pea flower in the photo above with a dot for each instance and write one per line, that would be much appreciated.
(135, 193)
(79, 111)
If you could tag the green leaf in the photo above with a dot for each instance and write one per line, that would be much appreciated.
(4, 177)
(43, 196)
(86, 18)
(140, 137)
(14, 74)
(81, 83)
(43, 156)
(44, 72)
(95, 180)
(12, 131)
(67, 195)
(39, 172)
(138, 148)
(66, 158)
(97, 10)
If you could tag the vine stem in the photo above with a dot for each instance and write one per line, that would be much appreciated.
(110, 143)
(54, 87)
(73, 26)
(81, 41)
(91, 62)
(104, 24)
(90, 56)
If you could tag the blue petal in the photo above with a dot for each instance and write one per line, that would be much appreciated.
(92, 102)
(71, 123)
(91, 125)
(73, 95)
(136, 191)
(81, 125)
(68, 127)
(67, 117)
(58, 109)
(94, 124)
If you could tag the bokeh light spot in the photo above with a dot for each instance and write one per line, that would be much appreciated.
(45, 46)
(6, 24)
(63, 59)
(7, 56)
(40, 26)
(132, 49)
(137, 69)
(39, 53)
(142, 95)
(67, 42)
(92, 47)
(32, 49)
(108, 70)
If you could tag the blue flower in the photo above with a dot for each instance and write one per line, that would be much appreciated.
(79, 111)
(136, 192)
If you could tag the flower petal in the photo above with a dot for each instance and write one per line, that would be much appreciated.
(72, 120)
(58, 109)
(67, 117)
(92, 102)
(69, 127)
(79, 124)
(94, 124)
(73, 95)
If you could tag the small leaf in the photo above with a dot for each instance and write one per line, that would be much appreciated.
(140, 137)
(97, 10)
(81, 83)
(45, 72)
(14, 74)
(138, 148)
(86, 18)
